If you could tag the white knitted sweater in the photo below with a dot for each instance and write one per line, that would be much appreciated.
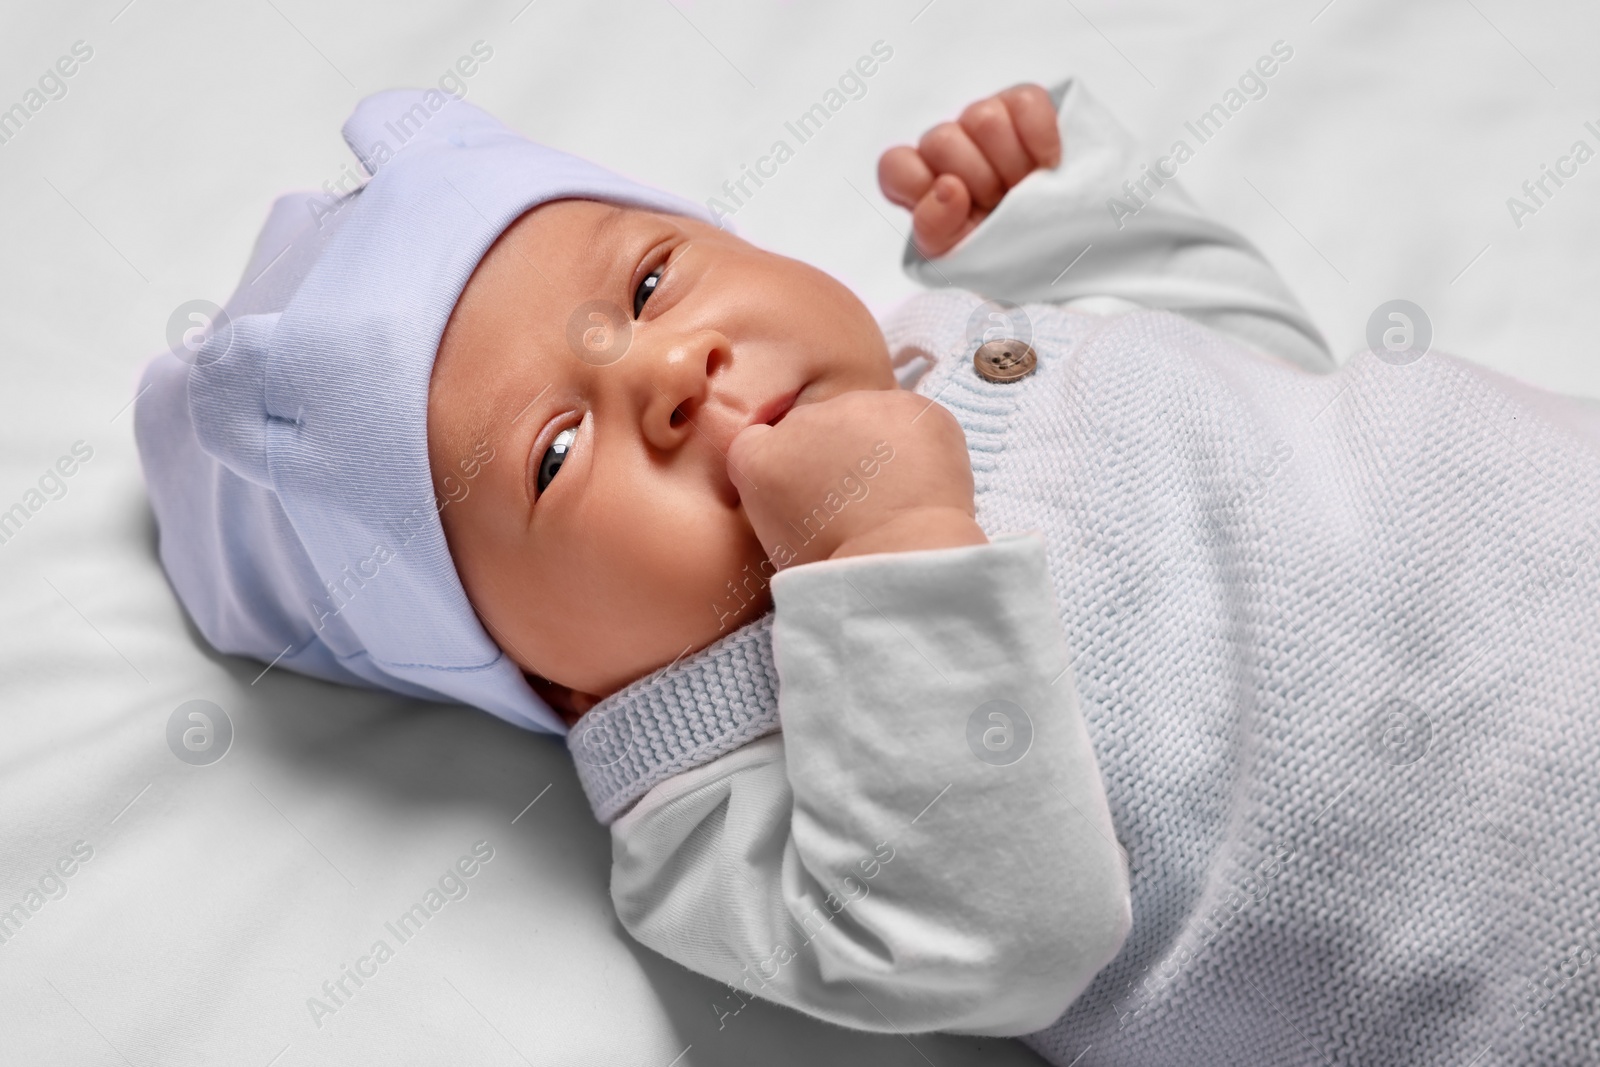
(1337, 645)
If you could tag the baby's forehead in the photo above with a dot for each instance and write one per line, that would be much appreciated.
(557, 253)
(560, 255)
(522, 289)
(538, 278)
(580, 224)
(576, 230)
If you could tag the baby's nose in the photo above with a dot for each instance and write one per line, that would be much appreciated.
(680, 401)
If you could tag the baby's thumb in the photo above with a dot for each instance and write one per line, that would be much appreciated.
(741, 452)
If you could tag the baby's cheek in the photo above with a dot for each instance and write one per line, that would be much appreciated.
(652, 579)
(722, 578)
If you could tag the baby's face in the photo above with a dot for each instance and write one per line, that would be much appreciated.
(596, 556)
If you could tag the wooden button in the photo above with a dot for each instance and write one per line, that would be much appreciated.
(1005, 361)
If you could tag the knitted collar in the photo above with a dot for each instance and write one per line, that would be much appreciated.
(686, 714)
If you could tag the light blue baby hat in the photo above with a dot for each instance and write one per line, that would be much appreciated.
(285, 445)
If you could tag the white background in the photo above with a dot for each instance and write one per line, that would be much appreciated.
(219, 898)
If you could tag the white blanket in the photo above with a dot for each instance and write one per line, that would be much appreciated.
(219, 898)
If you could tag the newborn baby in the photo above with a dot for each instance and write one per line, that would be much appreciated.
(1040, 663)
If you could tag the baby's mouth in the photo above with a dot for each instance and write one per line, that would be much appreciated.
(773, 411)
(769, 413)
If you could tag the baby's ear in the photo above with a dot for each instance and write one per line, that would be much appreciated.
(570, 704)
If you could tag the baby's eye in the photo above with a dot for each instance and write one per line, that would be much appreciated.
(554, 456)
(646, 287)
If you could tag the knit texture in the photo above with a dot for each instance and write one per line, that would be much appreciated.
(695, 710)
(1336, 647)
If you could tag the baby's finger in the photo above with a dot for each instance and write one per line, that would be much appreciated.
(743, 459)
(904, 176)
(1035, 117)
(949, 150)
(940, 219)
(991, 127)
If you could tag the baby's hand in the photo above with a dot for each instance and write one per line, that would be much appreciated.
(959, 170)
(871, 470)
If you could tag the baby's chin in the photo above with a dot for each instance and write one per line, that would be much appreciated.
(567, 703)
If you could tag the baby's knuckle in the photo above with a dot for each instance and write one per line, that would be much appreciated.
(938, 418)
(907, 403)
(1026, 93)
(942, 139)
(986, 116)
(898, 163)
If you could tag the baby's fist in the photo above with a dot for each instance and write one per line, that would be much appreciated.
(959, 170)
(871, 470)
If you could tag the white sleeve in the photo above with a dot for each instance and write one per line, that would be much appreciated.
(1098, 233)
(866, 865)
